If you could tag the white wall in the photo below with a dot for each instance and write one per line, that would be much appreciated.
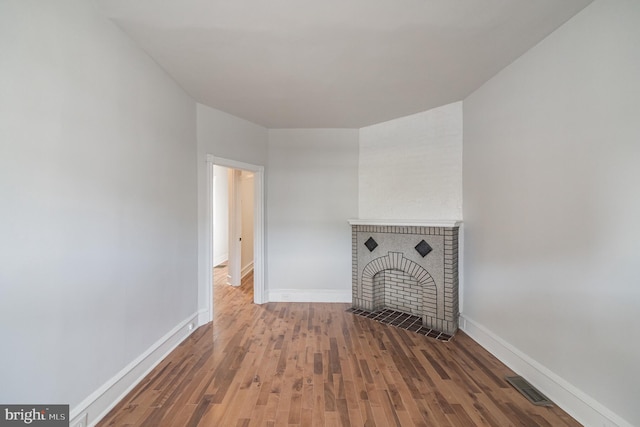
(551, 208)
(229, 137)
(98, 202)
(411, 167)
(220, 215)
(312, 191)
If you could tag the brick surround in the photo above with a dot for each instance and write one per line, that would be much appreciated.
(397, 291)
(394, 274)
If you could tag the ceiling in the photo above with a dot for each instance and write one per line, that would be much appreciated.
(334, 63)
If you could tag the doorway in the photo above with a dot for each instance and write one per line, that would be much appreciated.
(249, 178)
(233, 223)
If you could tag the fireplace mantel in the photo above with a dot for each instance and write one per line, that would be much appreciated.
(407, 222)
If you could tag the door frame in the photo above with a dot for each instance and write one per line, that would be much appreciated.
(235, 229)
(259, 284)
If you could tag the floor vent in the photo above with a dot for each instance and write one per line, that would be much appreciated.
(529, 391)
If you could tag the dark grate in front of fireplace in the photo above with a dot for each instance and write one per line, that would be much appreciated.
(401, 320)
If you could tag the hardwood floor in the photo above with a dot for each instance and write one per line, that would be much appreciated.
(300, 364)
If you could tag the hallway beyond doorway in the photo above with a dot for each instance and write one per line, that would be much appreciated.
(225, 295)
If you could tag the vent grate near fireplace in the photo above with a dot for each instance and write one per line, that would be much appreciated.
(528, 391)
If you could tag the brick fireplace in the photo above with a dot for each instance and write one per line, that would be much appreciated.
(411, 267)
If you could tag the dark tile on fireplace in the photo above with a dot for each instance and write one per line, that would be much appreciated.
(416, 320)
(381, 316)
(371, 244)
(433, 334)
(377, 316)
(405, 318)
(402, 316)
(386, 317)
(414, 327)
(423, 248)
(385, 314)
(393, 320)
(408, 323)
(397, 321)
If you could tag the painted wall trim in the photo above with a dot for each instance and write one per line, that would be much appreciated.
(101, 401)
(203, 316)
(575, 402)
(408, 223)
(231, 164)
(461, 268)
(207, 293)
(311, 295)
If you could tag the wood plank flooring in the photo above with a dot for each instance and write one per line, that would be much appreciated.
(300, 364)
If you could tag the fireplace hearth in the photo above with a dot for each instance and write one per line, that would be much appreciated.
(407, 267)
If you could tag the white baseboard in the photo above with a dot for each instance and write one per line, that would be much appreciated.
(220, 259)
(246, 270)
(300, 295)
(101, 401)
(575, 402)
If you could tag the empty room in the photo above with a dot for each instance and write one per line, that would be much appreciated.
(319, 213)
